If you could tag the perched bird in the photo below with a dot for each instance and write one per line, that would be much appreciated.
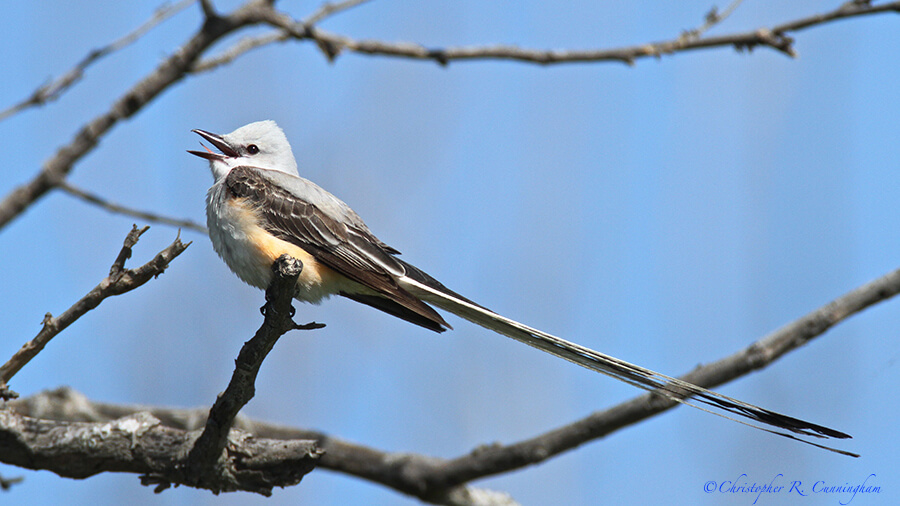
(260, 208)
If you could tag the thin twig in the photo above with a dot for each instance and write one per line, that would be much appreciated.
(329, 9)
(134, 213)
(119, 281)
(7, 483)
(244, 45)
(248, 44)
(187, 60)
(712, 18)
(166, 74)
(209, 11)
(332, 44)
(55, 88)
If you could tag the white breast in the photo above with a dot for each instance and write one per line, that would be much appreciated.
(249, 250)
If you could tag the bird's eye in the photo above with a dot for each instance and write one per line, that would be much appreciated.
(252, 149)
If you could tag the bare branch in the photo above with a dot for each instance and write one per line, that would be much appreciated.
(333, 44)
(134, 213)
(170, 71)
(713, 17)
(119, 281)
(7, 483)
(329, 9)
(435, 480)
(139, 443)
(245, 45)
(55, 88)
(209, 11)
(206, 459)
(775, 38)
(260, 11)
(67, 405)
(248, 44)
(218, 459)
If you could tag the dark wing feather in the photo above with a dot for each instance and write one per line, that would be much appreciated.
(393, 308)
(344, 247)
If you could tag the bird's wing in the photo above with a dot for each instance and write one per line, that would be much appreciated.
(297, 211)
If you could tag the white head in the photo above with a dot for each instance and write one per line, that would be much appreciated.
(261, 144)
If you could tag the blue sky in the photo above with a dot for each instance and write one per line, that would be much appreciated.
(669, 214)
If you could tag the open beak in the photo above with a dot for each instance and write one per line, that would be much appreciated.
(219, 143)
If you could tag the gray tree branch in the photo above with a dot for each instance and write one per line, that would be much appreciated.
(139, 443)
(119, 281)
(207, 460)
(56, 87)
(444, 481)
(170, 71)
(775, 37)
(217, 458)
(159, 446)
(188, 59)
(128, 211)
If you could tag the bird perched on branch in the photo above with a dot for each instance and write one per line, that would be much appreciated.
(260, 208)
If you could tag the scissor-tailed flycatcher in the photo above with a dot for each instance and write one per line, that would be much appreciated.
(260, 208)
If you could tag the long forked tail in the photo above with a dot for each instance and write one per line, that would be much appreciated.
(672, 388)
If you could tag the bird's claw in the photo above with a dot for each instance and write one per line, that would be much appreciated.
(265, 309)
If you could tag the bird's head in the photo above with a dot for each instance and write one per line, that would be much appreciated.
(261, 144)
